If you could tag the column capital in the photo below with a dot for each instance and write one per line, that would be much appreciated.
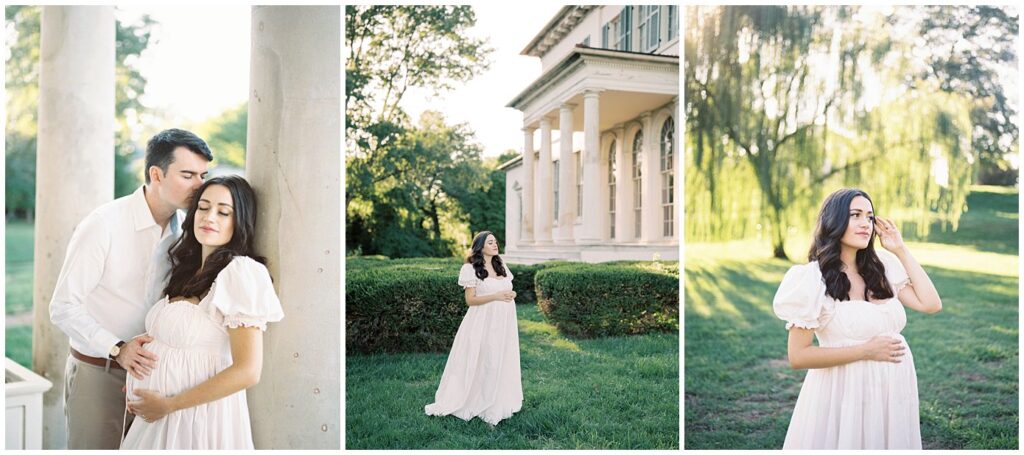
(528, 129)
(545, 122)
(592, 93)
(566, 106)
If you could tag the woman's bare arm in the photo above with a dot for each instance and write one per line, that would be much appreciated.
(803, 354)
(472, 299)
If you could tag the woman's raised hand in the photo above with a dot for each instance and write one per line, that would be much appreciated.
(884, 348)
(891, 238)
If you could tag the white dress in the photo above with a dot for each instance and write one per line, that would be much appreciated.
(482, 378)
(866, 404)
(192, 345)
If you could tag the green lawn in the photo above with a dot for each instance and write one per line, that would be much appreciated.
(18, 290)
(740, 391)
(609, 393)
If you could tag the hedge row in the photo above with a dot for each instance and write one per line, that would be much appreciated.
(402, 309)
(610, 299)
(411, 305)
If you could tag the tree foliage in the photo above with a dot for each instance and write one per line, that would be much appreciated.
(404, 182)
(226, 135)
(787, 103)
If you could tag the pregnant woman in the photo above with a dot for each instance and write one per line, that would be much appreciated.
(207, 330)
(861, 388)
(481, 378)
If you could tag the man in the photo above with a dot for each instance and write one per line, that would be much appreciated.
(115, 269)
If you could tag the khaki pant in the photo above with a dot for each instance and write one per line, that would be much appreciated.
(94, 406)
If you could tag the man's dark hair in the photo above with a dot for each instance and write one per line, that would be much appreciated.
(160, 150)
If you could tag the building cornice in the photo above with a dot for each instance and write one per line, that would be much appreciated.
(583, 54)
(556, 29)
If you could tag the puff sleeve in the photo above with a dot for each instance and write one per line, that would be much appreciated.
(244, 294)
(894, 270)
(801, 299)
(467, 276)
(508, 272)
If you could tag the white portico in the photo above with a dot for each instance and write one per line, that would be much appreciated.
(607, 190)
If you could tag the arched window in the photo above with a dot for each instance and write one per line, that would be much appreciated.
(638, 144)
(668, 134)
(612, 167)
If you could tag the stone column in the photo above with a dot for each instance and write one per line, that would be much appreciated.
(74, 170)
(566, 176)
(594, 218)
(623, 182)
(543, 195)
(526, 235)
(294, 164)
(650, 212)
(677, 156)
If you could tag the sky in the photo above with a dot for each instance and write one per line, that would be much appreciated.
(481, 102)
(198, 67)
(198, 64)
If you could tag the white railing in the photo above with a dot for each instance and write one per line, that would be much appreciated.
(24, 420)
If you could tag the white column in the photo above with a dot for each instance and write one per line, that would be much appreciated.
(650, 212)
(595, 213)
(74, 170)
(294, 164)
(526, 236)
(678, 169)
(544, 193)
(566, 176)
(623, 182)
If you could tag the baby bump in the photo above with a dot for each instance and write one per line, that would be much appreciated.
(176, 370)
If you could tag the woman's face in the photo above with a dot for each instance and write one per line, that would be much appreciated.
(215, 217)
(858, 232)
(490, 246)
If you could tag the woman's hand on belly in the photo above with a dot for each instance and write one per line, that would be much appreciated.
(151, 406)
(884, 348)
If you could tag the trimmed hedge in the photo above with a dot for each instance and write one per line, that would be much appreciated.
(411, 305)
(402, 308)
(610, 299)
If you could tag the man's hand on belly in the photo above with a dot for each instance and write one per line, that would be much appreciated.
(137, 361)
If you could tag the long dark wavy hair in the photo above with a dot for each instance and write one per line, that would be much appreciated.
(833, 220)
(476, 257)
(186, 254)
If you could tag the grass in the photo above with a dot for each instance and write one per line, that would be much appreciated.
(18, 283)
(740, 391)
(608, 393)
(18, 290)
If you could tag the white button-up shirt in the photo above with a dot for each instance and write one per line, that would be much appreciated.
(115, 270)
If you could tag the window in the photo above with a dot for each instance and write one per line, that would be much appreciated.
(650, 21)
(604, 35)
(638, 143)
(624, 31)
(611, 189)
(579, 185)
(673, 22)
(668, 132)
(555, 205)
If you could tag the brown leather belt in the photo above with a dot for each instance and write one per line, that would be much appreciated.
(95, 360)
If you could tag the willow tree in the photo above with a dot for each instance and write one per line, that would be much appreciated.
(784, 104)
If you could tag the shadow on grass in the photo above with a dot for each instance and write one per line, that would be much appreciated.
(740, 391)
(614, 393)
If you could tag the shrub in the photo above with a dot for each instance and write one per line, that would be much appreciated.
(402, 307)
(610, 299)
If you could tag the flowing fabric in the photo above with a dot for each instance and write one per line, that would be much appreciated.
(192, 344)
(861, 405)
(482, 377)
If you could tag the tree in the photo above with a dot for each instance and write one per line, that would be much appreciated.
(226, 135)
(395, 201)
(778, 110)
(419, 213)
